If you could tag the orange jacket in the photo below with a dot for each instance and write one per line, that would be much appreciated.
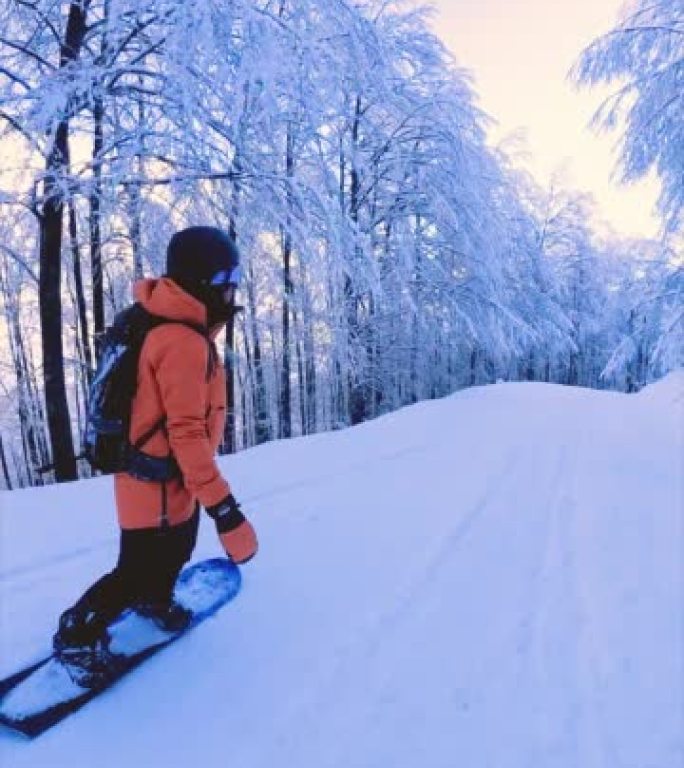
(173, 383)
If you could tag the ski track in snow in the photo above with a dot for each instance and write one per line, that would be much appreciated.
(370, 639)
(25, 573)
(488, 581)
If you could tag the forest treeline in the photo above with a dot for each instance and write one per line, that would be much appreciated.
(391, 254)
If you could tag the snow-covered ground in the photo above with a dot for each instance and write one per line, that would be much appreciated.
(493, 580)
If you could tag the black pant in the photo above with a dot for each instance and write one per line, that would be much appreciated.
(150, 560)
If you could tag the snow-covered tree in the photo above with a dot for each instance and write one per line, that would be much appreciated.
(643, 57)
(390, 253)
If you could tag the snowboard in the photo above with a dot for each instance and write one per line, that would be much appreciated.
(43, 694)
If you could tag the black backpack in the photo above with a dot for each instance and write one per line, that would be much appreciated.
(105, 443)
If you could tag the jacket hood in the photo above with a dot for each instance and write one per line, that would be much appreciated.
(165, 298)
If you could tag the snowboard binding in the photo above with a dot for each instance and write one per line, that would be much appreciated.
(81, 645)
(89, 666)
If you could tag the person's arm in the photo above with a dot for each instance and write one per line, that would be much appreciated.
(181, 365)
(181, 376)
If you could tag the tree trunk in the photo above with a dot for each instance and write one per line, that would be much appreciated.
(11, 312)
(285, 393)
(59, 423)
(135, 228)
(248, 392)
(80, 295)
(229, 436)
(301, 379)
(5, 468)
(38, 414)
(309, 395)
(135, 201)
(473, 366)
(229, 442)
(356, 395)
(95, 228)
(51, 224)
(262, 418)
(244, 410)
(24, 408)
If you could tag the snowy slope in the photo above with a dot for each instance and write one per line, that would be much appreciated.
(489, 580)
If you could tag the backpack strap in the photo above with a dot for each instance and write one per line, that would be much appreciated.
(212, 362)
(138, 444)
(155, 322)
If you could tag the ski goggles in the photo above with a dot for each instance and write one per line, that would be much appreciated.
(227, 277)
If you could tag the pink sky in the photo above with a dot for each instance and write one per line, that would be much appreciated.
(519, 52)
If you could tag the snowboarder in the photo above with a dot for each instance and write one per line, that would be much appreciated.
(181, 390)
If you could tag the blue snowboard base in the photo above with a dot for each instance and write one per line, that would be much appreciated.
(43, 694)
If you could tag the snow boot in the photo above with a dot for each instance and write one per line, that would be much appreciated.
(169, 615)
(81, 645)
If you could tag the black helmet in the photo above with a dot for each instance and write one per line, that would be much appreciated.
(204, 262)
(198, 256)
